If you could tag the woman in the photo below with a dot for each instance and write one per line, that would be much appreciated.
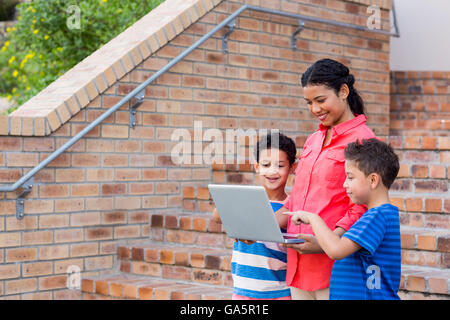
(330, 95)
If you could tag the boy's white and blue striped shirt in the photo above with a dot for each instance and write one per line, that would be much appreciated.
(373, 272)
(259, 269)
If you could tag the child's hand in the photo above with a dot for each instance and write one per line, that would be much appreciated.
(298, 217)
(247, 242)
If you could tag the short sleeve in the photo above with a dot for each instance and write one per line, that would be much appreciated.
(368, 231)
(354, 212)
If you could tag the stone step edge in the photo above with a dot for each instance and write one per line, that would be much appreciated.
(185, 221)
(425, 279)
(124, 286)
(192, 221)
(176, 254)
(412, 237)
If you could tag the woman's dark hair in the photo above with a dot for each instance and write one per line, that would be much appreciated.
(284, 143)
(334, 74)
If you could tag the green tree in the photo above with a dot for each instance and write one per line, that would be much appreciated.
(51, 36)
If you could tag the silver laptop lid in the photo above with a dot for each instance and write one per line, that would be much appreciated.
(246, 212)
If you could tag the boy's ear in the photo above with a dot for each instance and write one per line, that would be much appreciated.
(375, 180)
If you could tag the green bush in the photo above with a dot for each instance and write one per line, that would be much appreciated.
(46, 41)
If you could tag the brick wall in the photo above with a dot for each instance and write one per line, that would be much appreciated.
(99, 193)
(420, 103)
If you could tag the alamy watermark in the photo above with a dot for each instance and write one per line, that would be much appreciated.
(231, 146)
(73, 22)
(74, 278)
(374, 20)
(374, 280)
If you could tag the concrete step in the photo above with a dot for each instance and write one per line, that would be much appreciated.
(188, 229)
(425, 239)
(177, 262)
(425, 247)
(419, 282)
(131, 287)
(170, 254)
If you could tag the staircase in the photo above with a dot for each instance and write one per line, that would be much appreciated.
(188, 257)
(425, 263)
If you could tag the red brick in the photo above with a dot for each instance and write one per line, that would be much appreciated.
(85, 190)
(20, 286)
(54, 191)
(437, 171)
(101, 287)
(27, 223)
(54, 252)
(113, 189)
(87, 285)
(69, 235)
(189, 192)
(85, 160)
(426, 242)
(431, 186)
(37, 237)
(10, 144)
(443, 244)
(173, 272)
(53, 282)
(83, 249)
(167, 256)
(437, 285)
(145, 293)
(69, 205)
(415, 283)
(69, 175)
(433, 205)
(414, 204)
(207, 276)
(98, 234)
(419, 171)
(19, 255)
(9, 271)
(429, 143)
(22, 159)
(408, 241)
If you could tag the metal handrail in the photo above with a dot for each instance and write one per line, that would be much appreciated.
(26, 181)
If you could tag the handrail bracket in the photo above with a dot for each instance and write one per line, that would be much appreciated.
(20, 201)
(139, 100)
(231, 26)
(301, 25)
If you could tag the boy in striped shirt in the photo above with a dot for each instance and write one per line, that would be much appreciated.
(259, 268)
(368, 259)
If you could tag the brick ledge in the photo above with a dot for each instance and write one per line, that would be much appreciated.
(73, 91)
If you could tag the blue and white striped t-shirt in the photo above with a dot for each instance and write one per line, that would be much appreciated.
(259, 269)
(373, 272)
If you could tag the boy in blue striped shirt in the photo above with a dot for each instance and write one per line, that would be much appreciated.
(259, 268)
(368, 259)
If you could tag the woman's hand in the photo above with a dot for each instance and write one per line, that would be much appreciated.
(310, 246)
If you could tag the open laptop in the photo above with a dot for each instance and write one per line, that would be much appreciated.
(246, 213)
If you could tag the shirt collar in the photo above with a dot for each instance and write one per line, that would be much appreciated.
(345, 126)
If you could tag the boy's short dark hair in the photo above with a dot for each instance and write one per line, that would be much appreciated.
(284, 143)
(373, 155)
